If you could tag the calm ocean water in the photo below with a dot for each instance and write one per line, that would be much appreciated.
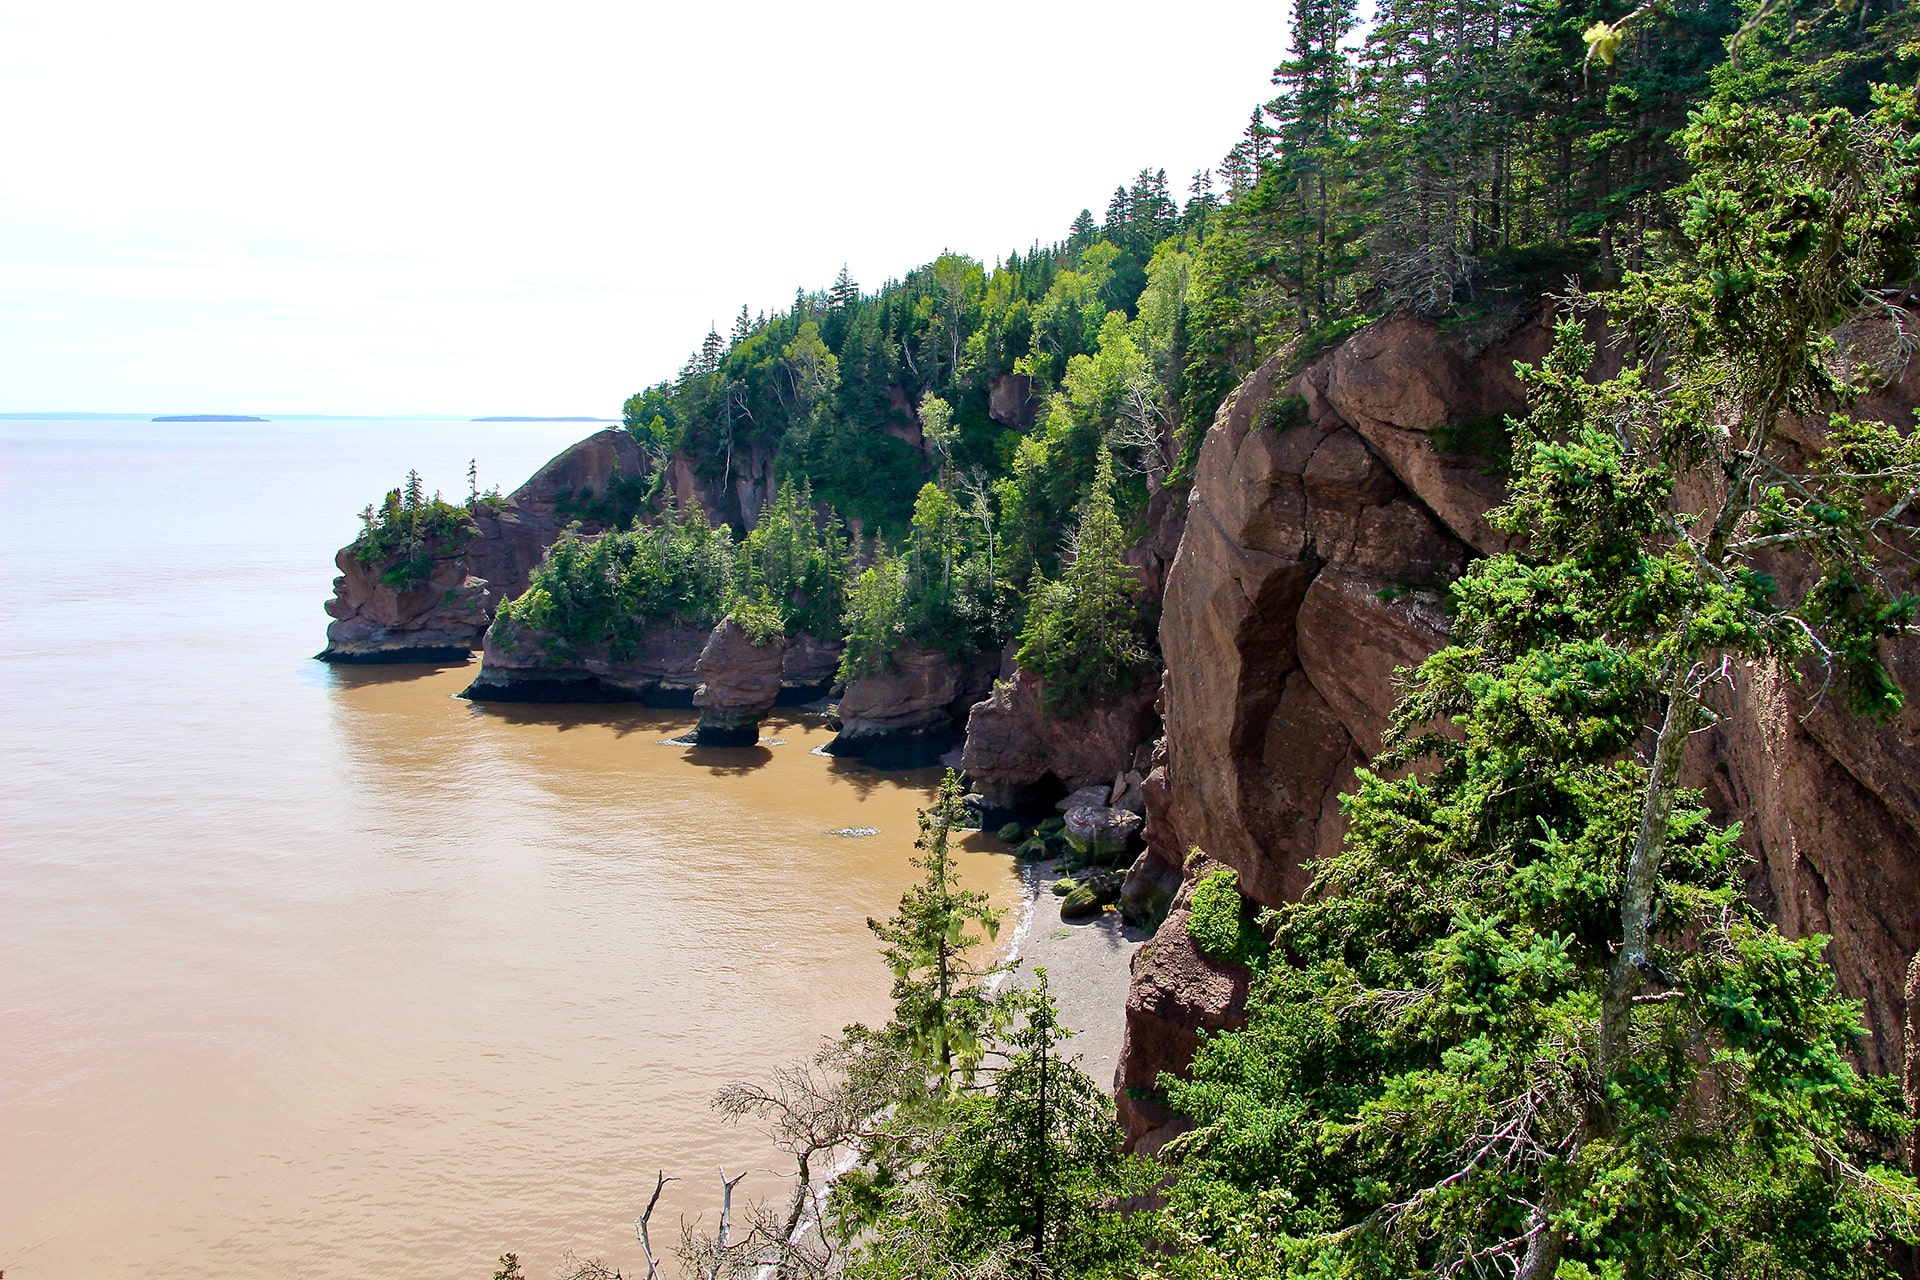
(312, 972)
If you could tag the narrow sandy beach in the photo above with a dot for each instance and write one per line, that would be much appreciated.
(1087, 968)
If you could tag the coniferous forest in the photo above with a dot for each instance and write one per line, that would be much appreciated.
(1527, 1022)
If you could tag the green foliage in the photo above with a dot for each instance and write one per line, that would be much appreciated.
(1219, 925)
(941, 1004)
(409, 530)
(938, 593)
(1081, 634)
(1014, 1177)
(1529, 1022)
(617, 506)
(1486, 439)
(759, 621)
(875, 614)
(793, 565)
(610, 589)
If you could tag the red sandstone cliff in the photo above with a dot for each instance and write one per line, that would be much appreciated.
(448, 614)
(1318, 536)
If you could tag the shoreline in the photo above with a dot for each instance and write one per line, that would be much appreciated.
(1088, 964)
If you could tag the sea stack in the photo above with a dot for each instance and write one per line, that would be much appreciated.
(739, 683)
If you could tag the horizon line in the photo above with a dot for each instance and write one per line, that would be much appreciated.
(73, 415)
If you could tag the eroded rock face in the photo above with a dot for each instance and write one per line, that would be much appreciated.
(1177, 992)
(910, 712)
(439, 620)
(1014, 743)
(1307, 574)
(447, 616)
(521, 665)
(1312, 567)
(1011, 402)
(807, 668)
(739, 683)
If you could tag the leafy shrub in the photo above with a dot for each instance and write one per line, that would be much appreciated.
(794, 562)
(1219, 925)
(873, 619)
(615, 507)
(938, 593)
(759, 621)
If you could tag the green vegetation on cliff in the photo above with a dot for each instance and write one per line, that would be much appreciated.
(1082, 632)
(609, 590)
(1527, 1020)
(408, 530)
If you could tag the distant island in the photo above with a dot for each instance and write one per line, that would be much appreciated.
(207, 417)
(511, 418)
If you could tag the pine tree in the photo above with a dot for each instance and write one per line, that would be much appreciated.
(1080, 635)
(1316, 89)
(845, 293)
(1083, 232)
(941, 1002)
(712, 347)
(1012, 1178)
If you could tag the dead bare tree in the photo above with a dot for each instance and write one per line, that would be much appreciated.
(641, 1224)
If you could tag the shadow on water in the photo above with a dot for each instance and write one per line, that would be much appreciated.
(728, 762)
(355, 675)
(866, 779)
(622, 718)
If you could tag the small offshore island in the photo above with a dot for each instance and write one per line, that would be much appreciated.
(1469, 634)
(208, 417)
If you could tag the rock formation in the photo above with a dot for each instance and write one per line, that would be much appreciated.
(1327, 515)
(912, 710)
(1178, 991)
(521, 665)
(438, 620)
(807, 669)
(1018, 753)
(739, 683)
(446, 617)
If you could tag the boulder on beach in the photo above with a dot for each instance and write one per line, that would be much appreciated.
(1100, 831)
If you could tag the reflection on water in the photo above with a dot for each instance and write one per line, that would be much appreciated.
(323, 972)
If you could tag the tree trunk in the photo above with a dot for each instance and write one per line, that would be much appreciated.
(1632, 963)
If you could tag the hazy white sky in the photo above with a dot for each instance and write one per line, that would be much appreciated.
(538, 208)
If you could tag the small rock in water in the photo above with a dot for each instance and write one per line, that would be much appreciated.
(855, 832)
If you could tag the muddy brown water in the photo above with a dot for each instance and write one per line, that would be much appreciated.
(325, 972)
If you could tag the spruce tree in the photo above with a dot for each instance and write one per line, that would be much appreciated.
(941, 1003)
(1527, 1022)
(1316, 88)
(1081, 635)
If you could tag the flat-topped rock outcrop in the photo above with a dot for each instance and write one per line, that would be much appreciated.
(444, 617)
